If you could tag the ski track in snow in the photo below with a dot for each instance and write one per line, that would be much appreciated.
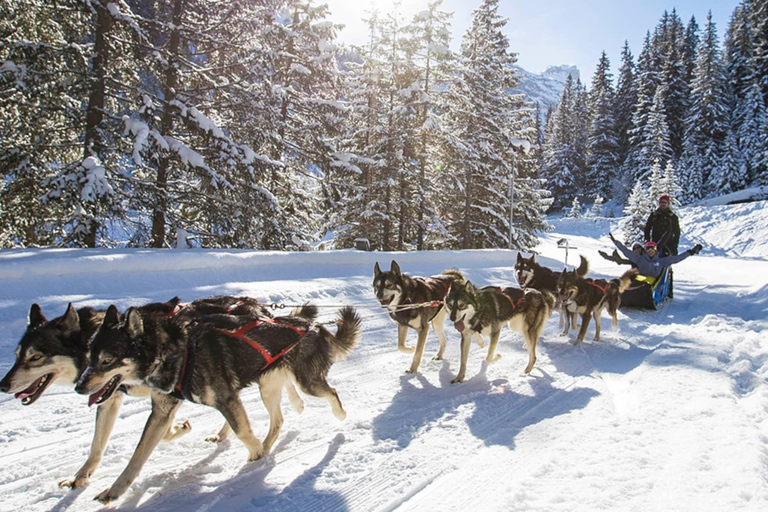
(668, 412)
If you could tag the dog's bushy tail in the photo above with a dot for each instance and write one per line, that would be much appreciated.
(349, 331)
(308, 311)
(455, 274)
(615, 288)
(583, 267)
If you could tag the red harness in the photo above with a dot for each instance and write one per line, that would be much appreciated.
(601, 288)
(241, 335)
(514, 304)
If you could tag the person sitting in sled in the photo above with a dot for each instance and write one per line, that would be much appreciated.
(615, 257)
(650, 263)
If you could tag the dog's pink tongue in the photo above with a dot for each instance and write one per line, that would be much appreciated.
(92, 399)
(459, 325)
(29, 391)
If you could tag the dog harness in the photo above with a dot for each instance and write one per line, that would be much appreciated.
(241, 335)
(175, 311)
(601, 288)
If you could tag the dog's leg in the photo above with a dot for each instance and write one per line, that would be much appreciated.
(531, 336)
(293, 396)
(491, 358)
(466, 341)
(565, 317)
(420, 344)
(438, 324)
(574, 320)
(221, 436)
(164, 409)
(271, 388)
(234, 412)
(479, 339)
(176, 431)
(402, 334)
(106, 414)
(584, 325)
(597, 314)
(321, 389)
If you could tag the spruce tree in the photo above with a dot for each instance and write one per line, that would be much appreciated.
(602, 145)
(626, 96)
(636, 212)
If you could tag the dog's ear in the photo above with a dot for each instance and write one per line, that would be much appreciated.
(174, 301)
(71, 321)
(469, 287)
(133, 324)
(36, 318)
(519, 257)
(533, 258)
(376, 270)
(395, 268)
(112, 317)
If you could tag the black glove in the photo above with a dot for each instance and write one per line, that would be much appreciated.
(610, 235)
(696, 249)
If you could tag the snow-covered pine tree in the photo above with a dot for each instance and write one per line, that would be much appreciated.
(674, 80)
(671, 185)
(597, 207)
(626, 96)
(574, 211)
(428, 39)
(757, 13)
(487, 125)
(56, 61)
(656, 185)
(656, 143)
(636, 212)
(602, 145)
(707, 122)
(307, 120)
(560, 156)
(638, 161)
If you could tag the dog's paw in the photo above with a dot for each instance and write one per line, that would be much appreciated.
(493, 359)
(75, 483)
(406, 350)
(255, 455)
(107, 496)
(216, 438)
(177, 430)
(457, 380)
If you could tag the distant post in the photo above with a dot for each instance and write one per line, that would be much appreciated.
(564, 244)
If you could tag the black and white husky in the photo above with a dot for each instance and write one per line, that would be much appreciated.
(486, 310)
(415, 303)
(210, 361)
(530, 274)
(55, 351)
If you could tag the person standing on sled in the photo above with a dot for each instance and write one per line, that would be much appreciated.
(650, 263)
(663, 227)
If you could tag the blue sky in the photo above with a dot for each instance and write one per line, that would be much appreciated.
(554, 32)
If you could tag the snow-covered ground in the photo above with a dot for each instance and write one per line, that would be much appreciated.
(668, 412)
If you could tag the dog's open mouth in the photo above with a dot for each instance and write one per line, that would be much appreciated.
(459, 324)
(36, 390)
(105, 392)
(386, 302)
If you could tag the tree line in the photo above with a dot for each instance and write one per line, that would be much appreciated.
(687, 105)
(244, 124)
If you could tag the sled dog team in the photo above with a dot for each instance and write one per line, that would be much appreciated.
(208, 350)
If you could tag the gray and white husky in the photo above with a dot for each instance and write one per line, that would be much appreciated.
(486, 310)
(209, 362)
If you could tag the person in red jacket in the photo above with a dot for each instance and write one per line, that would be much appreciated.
(663, 227)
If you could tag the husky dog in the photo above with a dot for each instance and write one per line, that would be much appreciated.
(530, 274)
(487, 309)
(588, 297)
(56, 351)
(222, 355)
(415, 302)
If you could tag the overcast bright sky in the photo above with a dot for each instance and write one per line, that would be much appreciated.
(554, 32)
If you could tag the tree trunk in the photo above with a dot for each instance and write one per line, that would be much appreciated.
(166, 126)
(94, 143)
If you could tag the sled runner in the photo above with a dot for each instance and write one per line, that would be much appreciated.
(648, 292)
